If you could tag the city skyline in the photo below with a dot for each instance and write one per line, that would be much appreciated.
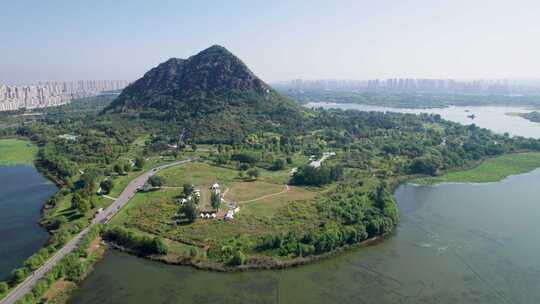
(285, 40)
(53, 93)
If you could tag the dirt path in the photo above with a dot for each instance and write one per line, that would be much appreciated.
(287, 188)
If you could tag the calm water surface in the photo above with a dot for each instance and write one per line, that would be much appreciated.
(455, 243)
(23, 191)
(493, 118)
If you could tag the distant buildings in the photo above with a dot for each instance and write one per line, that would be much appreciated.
(453, 86)
(54, 93)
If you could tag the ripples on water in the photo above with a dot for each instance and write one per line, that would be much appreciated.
(456, 243)
(23, 191)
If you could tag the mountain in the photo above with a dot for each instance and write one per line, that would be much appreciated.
(210, 95)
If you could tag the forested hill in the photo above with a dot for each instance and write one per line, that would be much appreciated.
(210, 95)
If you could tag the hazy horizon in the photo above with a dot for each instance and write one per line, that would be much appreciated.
(352, 40)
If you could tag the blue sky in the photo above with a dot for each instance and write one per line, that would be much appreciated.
(279, 40)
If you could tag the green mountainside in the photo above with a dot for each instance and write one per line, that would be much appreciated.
(213, 96)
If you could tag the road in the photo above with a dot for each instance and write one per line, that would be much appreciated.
(103, 217)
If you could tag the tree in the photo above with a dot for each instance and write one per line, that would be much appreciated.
(57, 222)
(118, 169)
(106, 186)
(195, 199)
(246, 157)
(139, 163)
(425, 165)
(289, 160)
(222, 158)
(3, 287)
(243, 166)
(155, 181)
(84, 206)
(188, 189)
(215, 200)
(18, 275)
(194, 146)
(253, 173)
(159, 246)
(80, 203)
(278, 164)
(127, 167)
(190, 211)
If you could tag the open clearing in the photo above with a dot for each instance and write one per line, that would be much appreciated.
(265, 206)
(16, 151)
(490, 170)
(197, 174)
(245, 191)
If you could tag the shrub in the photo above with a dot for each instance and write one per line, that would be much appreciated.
(278, 164)
(238, 258)
(3, 287)
(246, 157)
(253, 173)
(18, 275)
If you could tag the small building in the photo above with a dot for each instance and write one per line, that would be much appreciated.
(68, 137)
(229, 216)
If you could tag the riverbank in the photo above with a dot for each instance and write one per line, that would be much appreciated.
(489, 170)
(256, 263)
(439, 238)
(61, 291)
(14, 151)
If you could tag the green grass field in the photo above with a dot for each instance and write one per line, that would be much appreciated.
(154, 212)
(245, 191)
(490, 170)
(16, 151)
(197, 174)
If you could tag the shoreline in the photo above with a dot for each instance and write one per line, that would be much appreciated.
(256, 262)
(262, 263)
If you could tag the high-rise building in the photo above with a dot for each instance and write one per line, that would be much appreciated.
(53, 93)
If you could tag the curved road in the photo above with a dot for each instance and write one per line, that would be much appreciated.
(103, 217)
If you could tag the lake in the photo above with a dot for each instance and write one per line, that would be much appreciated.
(23, 192)
(490, 117)
(455, 243)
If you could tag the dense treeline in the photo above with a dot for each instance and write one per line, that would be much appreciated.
(411, 99)
(396, 144)
(140, 244)
(349, 216)
(317, 176)
(73, 267)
